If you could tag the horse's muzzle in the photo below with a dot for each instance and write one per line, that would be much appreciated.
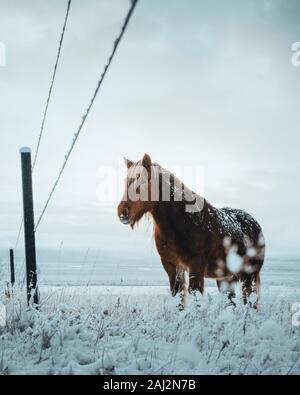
(123, 214)
(124, 219)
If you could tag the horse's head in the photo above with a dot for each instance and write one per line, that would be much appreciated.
(136, 200)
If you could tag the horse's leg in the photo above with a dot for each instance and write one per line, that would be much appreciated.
(257, 289)
(250, 284)
(196, 278)
(173, 280)
(182, 288)
(227, 287)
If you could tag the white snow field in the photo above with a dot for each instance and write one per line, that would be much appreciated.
(126, 329)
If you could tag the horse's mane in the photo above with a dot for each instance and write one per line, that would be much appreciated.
(179, 192)
(182, 193)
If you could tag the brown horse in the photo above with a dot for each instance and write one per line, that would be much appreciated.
(193, 236)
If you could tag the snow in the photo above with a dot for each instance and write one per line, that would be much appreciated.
(128, 323)
(122, 330)
(25, 150)
(234, 261)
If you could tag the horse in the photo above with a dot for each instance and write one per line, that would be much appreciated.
(192, 236)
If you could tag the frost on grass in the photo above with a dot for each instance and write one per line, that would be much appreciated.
(78, 331)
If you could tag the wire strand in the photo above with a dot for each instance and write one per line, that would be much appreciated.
(19, 233)
(51, 85)
(76, 135)
(47, 106)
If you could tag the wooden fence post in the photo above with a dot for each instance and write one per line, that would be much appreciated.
(29, 232)
(12, 267)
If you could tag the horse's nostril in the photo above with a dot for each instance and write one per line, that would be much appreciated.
(124, 217)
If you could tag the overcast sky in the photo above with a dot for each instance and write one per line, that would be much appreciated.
(194, 83)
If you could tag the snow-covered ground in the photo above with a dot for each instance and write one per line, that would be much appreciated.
(93, 330)
(126, 329)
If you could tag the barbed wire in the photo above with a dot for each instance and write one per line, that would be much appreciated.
(19, 233)
(51, 84)
(76, 135)
(47, 106)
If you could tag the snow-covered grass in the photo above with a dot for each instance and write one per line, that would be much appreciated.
(82, 330)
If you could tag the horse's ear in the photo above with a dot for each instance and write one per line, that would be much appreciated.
(146, 162)
(128, 163)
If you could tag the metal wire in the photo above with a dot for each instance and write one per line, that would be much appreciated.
(76, 135)
(51, 85)
(47, 106)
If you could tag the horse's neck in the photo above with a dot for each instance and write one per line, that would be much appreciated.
(168, 216)
(171, 215)
(170, 184)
